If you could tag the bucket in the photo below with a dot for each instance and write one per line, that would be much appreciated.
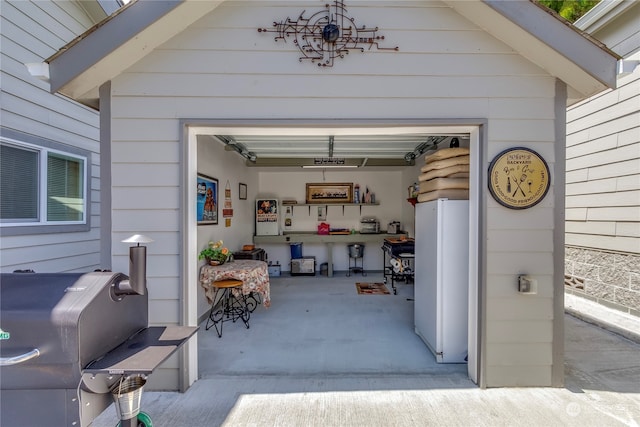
(127, 394)
(296, 250)
(356, 250)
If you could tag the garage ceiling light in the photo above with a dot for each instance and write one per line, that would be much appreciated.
(328, 166)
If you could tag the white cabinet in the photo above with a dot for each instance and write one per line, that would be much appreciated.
(442, 277)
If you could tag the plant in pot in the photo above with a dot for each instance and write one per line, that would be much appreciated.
(215, 253)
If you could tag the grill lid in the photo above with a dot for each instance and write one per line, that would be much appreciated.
(70, 318)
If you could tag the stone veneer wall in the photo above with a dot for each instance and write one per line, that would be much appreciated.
(609, 278)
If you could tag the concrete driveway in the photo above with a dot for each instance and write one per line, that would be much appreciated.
(307, 361)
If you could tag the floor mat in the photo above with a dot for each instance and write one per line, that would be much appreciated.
(372, 288)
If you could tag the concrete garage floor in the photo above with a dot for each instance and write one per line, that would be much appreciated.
(322, 355)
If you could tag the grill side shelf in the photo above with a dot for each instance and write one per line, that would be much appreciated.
(143, 352)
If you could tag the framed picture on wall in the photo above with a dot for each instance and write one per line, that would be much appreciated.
(324, 192)
(207, 200)
(242, 191)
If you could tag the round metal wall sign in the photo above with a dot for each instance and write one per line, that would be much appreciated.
(518, 178)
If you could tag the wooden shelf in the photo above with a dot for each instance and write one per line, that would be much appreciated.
(313, 237)
(331, 204)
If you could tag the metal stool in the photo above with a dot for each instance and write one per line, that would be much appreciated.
(229, 303)
(356, 251)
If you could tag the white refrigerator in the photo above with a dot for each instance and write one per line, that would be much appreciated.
(441, 281)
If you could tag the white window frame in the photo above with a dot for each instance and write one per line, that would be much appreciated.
(42, 224)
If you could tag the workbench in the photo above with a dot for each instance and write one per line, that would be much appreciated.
(327, 239)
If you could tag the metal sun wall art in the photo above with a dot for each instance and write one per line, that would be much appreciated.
(327, 34)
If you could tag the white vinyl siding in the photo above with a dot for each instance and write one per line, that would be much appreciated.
(222, 68)
(603, 148)
(30, 32)
(602, 260)
(603, 160)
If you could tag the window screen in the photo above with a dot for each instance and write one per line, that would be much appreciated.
(65, 188)
(18, 184)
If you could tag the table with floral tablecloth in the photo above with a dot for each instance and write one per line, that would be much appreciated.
(253, 274)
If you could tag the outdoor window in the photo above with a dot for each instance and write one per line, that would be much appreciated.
(41, 186)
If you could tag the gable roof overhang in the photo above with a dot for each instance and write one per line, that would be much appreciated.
(584, 64)
(81, 67)
(603, 14)
(121, 40)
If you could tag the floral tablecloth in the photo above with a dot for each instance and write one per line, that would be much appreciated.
(254, 276)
